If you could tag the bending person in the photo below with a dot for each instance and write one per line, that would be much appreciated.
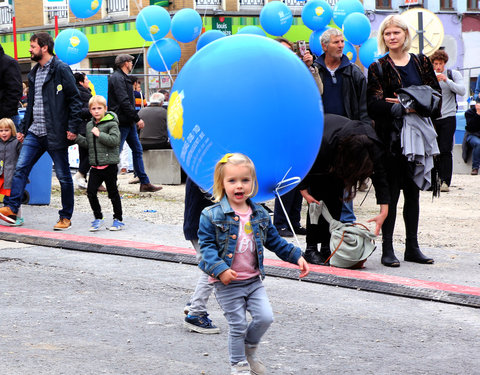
(350, 152)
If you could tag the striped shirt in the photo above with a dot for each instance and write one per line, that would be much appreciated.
(39, 127)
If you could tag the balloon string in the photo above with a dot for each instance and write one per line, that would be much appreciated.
(284, 183)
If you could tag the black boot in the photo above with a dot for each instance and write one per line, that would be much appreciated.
(414, 254)
(312, 255)
(388, 255)
(325, 254)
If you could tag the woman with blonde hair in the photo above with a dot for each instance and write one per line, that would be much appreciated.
(396, 70)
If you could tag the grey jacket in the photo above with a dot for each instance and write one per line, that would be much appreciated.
(9, 152)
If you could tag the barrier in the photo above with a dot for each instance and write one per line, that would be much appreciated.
(162, 167)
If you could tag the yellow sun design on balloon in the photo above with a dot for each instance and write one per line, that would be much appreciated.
(175, 115)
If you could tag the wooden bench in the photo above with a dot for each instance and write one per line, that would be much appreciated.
(162, 167)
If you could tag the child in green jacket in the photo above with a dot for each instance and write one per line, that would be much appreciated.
(102, 140)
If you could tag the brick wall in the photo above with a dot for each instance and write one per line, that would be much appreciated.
(29, 13)
(231, 5)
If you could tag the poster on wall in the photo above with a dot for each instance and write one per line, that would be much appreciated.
(165, 82)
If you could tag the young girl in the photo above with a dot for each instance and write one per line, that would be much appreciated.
(102, 141)
(232, 235)
(9, 152)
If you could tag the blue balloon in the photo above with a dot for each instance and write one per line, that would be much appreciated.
(368, 52)
(356, 28)
(316, 14)
(250, 115)
(350, 51)
(153, 23)
(276, 18)
(163, 54)
(71, 46)
(345, 7)
(208, 37)
(85, 8)
(314, 42)
(255, 30)
(186, 25)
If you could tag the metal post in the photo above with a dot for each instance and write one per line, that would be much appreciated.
(14, 25)
(420, 32)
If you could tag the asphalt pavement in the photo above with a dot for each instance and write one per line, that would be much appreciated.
(77, 302)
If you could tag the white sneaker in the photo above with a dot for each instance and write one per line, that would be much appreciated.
(241, 368)
(444, 188)
(80, 180)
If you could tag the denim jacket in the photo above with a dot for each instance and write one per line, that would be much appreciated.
(218, 233)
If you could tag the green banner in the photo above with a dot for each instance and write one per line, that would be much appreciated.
(224, 24)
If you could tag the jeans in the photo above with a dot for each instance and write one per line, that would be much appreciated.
(199, 299)
(97, 176)
(33, 148)
(130, 135)
(236, 299)
(347, 215)
(474, 142)
(292, 202)
(445, 129)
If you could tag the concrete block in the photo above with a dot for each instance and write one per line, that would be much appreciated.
(459, 166)
(162, 167)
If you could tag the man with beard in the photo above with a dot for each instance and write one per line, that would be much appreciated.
(52, 119)
(122, 101)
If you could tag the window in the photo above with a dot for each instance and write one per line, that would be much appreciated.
(383, 4)
(446, 4)
(5, 13)
(117, 6)
(473, 5)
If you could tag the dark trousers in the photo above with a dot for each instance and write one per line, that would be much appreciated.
(156, 146)
(97, 176)
(83, 164)
(445, 130)
(328, 189)
(399, 179)
(292, 201)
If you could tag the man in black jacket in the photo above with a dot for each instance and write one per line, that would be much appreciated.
(122, 101)
(51, 121)
(10, 86)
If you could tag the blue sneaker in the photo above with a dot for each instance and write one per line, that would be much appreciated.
(200, 324)
(19, 222)
(96, 224)
(117, 225)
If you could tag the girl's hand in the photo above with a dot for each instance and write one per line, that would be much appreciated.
(95, 131)
(304, 269)
(227, 276)
(20, 137)
(308, 197)
(380, 218)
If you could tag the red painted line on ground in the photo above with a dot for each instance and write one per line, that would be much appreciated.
(341, 272)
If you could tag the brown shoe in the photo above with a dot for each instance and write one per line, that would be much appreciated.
(6, 214)
(149, 188)
(474, 172)
(62, 224)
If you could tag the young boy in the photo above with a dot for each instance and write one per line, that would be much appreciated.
(102, 140)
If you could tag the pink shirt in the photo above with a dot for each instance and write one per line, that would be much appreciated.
(245, 260)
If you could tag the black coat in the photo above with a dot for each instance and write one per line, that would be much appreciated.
(121, 99)
(195, 202)
(11, 88)
(85, 96)
(61, 101)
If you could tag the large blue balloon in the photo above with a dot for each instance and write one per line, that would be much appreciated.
(85, 8)
(356, 28)
(345, 7)
(250, 117)
(255, 30)
(314, 42)
(71, 46)
(368, 52)
(208, 37)
(186, 25)
(163, 54)
(316, 14)
(153, 23)
(350, 51)
(276, 18)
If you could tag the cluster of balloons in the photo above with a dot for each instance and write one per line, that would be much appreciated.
(153, 24)
(71, 45)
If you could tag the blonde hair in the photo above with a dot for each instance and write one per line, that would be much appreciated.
(393, 21)
(219, 174)
(8, 123)
(97, 99)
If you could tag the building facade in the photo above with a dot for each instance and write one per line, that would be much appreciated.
(112, 30)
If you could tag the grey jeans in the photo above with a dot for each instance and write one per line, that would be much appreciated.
(198, 301)
(236, 299)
